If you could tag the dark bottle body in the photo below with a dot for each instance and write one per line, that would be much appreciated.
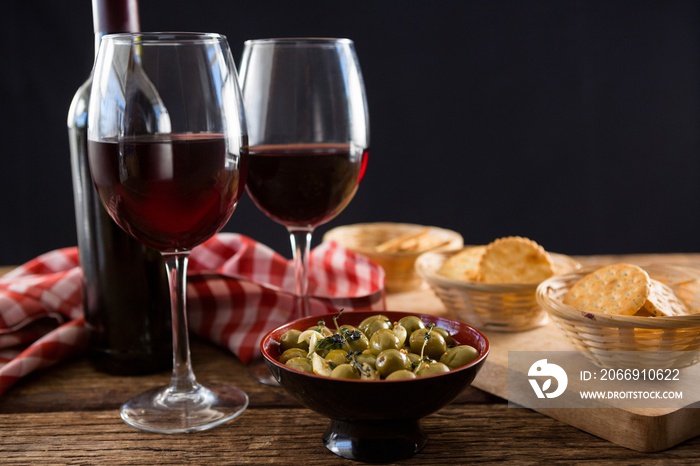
(125, 297)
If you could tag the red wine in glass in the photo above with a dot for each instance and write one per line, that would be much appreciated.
(304, 185)
(169, 191)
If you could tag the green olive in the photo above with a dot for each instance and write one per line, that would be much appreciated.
(345, 371)
(383, 339)
(370, 325)
(459, 356)
(300, 364)
(290, 339)
(401, 375)
(414, 358)
(392, 360)
(428, 343)
(411, 323)
(292, 353)
(400, 332)
(359, 344)
(431, 368)
(367, 357)
(445, 334)
(369, 319)
(337, 356)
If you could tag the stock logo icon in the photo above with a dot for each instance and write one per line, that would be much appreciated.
(547, 371)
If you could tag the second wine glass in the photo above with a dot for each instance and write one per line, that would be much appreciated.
(309, 138)
(308, 133)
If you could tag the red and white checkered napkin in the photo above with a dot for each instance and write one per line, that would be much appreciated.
(238, 289)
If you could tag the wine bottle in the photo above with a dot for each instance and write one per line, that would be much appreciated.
(125, 291)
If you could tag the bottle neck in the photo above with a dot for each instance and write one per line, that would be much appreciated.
(115, 15)
(112, 16)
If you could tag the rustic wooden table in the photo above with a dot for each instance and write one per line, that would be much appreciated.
(68, 415)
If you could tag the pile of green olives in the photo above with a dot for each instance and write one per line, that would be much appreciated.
(376, 349)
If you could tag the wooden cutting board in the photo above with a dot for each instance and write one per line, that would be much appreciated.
(646, 430)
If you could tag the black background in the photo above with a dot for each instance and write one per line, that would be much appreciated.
(575, 123)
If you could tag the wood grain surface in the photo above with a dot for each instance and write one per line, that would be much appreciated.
(68, 415)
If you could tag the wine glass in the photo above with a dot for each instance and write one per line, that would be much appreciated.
(168, 154)
(309, 138)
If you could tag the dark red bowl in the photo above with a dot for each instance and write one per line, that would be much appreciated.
(375, 420)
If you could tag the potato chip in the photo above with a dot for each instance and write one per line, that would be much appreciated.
(662, 301)
(463, 265)
(620, 289)
(514, 260)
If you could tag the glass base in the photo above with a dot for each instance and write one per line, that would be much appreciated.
(260, 372)
(168, 411)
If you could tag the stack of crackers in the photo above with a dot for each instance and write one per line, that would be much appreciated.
(511, 259)
(414, 241)
(625, 289)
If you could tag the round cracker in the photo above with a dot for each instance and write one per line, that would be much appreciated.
(662, 301)
(618, 289)
(463, 265)
(514, 259)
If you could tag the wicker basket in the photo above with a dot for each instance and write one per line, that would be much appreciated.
(495, 307)
(398, 266)
(616, 341)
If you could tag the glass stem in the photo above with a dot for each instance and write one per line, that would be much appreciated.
(301, 245)
(183, 379)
